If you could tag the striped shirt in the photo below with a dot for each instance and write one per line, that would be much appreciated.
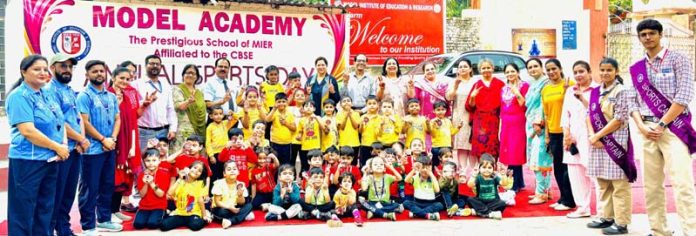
(671, 74)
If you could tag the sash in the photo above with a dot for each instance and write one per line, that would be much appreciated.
(425, 86)
(618, 154)
(659, 104)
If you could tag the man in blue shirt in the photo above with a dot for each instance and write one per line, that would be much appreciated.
(62, 66)
(220, 91)
(100, 115)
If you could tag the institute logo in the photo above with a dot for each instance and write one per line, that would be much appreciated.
(71, 40)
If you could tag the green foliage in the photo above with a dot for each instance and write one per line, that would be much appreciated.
(617, 7)
(455, 7)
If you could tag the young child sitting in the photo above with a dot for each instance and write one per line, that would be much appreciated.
(485, 184)
(449, 188)
(229, 198)
(425, 188)
(286, 196)
(263, 177)
(315, 161)
(190, 195)
(376, 183)
(397, 188)
(317, 202)
(345, 166)
(345, 198)
(190, 154)
(154, 183)
(444, 157)
(240, 153)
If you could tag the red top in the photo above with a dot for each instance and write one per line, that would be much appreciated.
(488, 98)
(128, 111)
(408, 188)
(150, 201)
(183, 161)
(263, 178)
(243, 157)
(168, 167)
(353, 170)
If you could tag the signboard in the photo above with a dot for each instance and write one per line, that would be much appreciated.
(409, 30)
(570, 35)
(534, 42)
(115, 32)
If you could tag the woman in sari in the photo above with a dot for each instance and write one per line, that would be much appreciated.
(484, 106)
(457, 92)
(322, 86)
(538, 158)
(391, 86)
(190, 107)
(513, 142)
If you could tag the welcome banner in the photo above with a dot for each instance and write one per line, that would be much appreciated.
(115, 32)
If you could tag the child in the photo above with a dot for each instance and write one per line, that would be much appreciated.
(299, 97)
(229, 198)
(397, 188)
(216, 138)
(449, 189)
(445, 156)
(190, 193)
(282, 128)
(390, 128)
(308, 133)
(258, 135)
(317, 201)
(190, 154)
(345, 199)
(441, 130)
(331, 159)
(292, 84)
(253, 111)
(162, 146)
(154, 183)
(407, 161)
(485, 184)
(329, 134)
(270, 87)
(263, 177)
(345, 166)
(315, 161)
(425, 187)
(348, 124)
(286, 196)
(368, 128)
(238, 152)
(376, 184)
(414, 124)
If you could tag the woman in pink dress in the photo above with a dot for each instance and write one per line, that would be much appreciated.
(484, 106)
(513, 140)
(392, 86)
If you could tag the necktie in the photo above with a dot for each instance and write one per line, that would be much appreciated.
(230, 103)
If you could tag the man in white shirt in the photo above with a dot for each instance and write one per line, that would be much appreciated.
(220, 91)
(159, 117)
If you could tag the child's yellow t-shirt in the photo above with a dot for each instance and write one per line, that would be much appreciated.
(390, 130)
(216, 137)
(298, 115)
(417, 129)
(344, 199)
(348, 136)
(269, 91)
(228, 193)
(254, 115)
(369, 134)
(280, 134)
(441, 132)
(310, 130)
(552, 101)
(187, 196)
(330, 139)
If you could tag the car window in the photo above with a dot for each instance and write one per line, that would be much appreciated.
(440, 62)
(518, 61)
(499, 61)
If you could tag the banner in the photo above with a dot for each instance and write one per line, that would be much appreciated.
(116, 32)
(409, 30)
(534, 42)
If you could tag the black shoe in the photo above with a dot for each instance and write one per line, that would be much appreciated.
(615, 230)
(271, 217)
(602, 223)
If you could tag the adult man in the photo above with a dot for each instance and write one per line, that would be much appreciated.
(159, 117)
(219, 91)
(358, 85)
(61, 66)
(665, 86)
(99, 112)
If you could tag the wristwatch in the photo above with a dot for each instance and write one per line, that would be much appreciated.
(662, 124)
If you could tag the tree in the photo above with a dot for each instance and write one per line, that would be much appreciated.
(455, 7)
(618, 9)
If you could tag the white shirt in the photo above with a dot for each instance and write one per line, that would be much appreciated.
(214, 90)
(161, 112)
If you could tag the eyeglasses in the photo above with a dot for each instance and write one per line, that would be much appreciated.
(65, 66)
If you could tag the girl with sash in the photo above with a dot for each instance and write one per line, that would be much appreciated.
(513, 141)
(611, 160)
(392, 86)
(322, 86)
(538, 158)
(190, 107)
(457, 92)
(484, 106)
(429, 90)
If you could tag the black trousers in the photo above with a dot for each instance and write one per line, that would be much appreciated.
(560, 170)
(327, 207)
(483, 208)
(194, 223)
(518, 177)
(236, 219)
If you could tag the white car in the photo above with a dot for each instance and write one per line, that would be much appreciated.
(446, 68)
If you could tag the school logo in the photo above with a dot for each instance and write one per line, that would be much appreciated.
(71, 40)
(640, 78)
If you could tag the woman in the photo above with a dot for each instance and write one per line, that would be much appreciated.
(128, 161)
(322, 86)
(552, 102)
(513, 142)
(575, 144)
(458, 91)
(539, 159)
(190, 107)
(131, 67)
(611, 159)
(391, 86)
(37, 130)
(429, 90)
(484, 105)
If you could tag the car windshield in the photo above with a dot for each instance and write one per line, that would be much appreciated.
(441, 62)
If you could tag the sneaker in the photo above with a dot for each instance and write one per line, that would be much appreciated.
(128, 207)
(226, 223)
(110, 227)
(115, 219)
(410, 215)
(615, 229)
(89, 232)
(561, 207)
(496, 215)
(434, 216)
(264, 207)
(271, 217)
(293, 210)
(250, 217)
(357, 218)
(400, 209)
(315, 213)
(600, 224)
(361, 200)
(370, 215)
(511, 202)
(578, 214)
(303, 215)
(390, 216)
(122, 217)
(554, 205)
(452, 210)
(324, 216)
